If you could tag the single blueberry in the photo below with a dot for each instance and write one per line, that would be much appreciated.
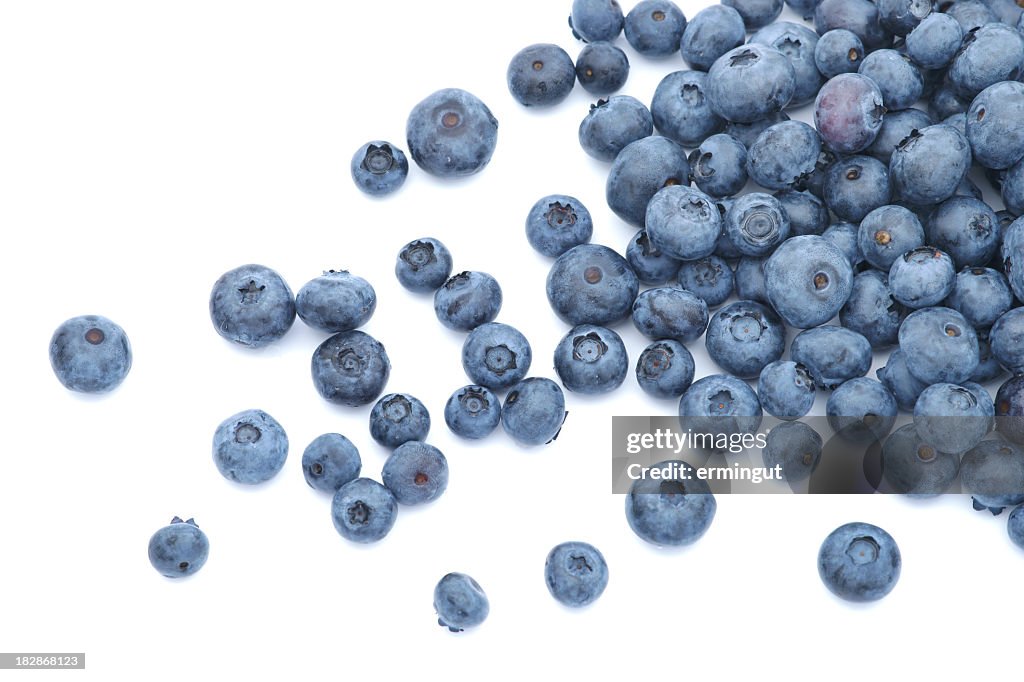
(415, 473)
(993, 472)
(252, 305)
(472, 412)
(602, 68)
(871, 310)
(379, 168)
(912, 465)
(1007, 339)
(576, 573)
(832, 355)
(350, 368)
(639, 171)
(683, 223)
(888, 232)
(556, 223)
(797, 43)
(423, 265)
(541, 75)
(467, 300)
(178, 549)
(613, 123)
(648, 262)
(665, 369)
(848, 113)
(711, 33)
(397, 418)
(719, 165)
(90, 353)
(496, 355)
(967, 229)
(591, 359)
(859, 562)
(710, 278)
(756, 224)
(750, 82)
(330, 462)
(654, 28)
(939, 346)
(591, 284)
(784, 155)
(681, 110)
(674, 509)
(459, 601)
(363, 510)
(859, 16)
(922, 277)
(249, 447)
(954, 417)
(861, 410)
(896, 76)
(795, 447)
(808, 280)
(929, 164)
(720, 404)
(533, 411)
(337, 301)
(786, 390)
(934, 42)
(838, 51)
(451, 133)
(744, 337)
(855, 186)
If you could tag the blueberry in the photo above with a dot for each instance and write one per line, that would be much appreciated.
(1007, 339)
(808, 280)
(415, 473)
(989, 54)
(896, 126)
(591, 359)
(888, 232)
(861, 410)
(330, 462)
(472, 412)
(670, 313)
(397, 418)
(363, 510)
(911, 464)
(832, 355)
(970, 14)
(720, 404)
(747, 133)
(350, 368)
(896, 377)
(843, 235)
(756, 224)
(944, 102)
(807, 213)
(858, 16)
(871, 311)
(654, 28)
(533, 411)
(967, 229)
(848, 113)
(954, 418)
(993, 125)
(795, 447)
(797, 43)
(993, 472)
(859, 562)
(710, 278)
(541, 75)
(179, 549)
(744, 337)
(576, 573)
(750, 82)
(683, 223)
(665, 369)
(639, 171)
(681, 109)
(249, 447)
(252, 305)
(613, 123)
(756, 13)
(750, 282)
(467, 300)
(711, 33)
(900, 17)
(929, 164)
(1015, 522)
(648, 262)
(855, 186)
(556, 223)
(783, 155)
(379, 168)
(423, 265)
(719, 165)
(838, 51)
(786, 390)
(496, 355)
(602, 68)
(939, 346)
(90, 353)
(674, 509)
(898, 79)
(459, 601)
(337, 301)
(988, 368)
(591, 284)
(451, 133)
(934, 42)
(1010, 409)
(922, 277)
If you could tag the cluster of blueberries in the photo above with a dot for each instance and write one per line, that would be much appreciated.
(871, 218)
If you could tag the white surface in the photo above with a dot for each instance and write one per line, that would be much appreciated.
(145, 148)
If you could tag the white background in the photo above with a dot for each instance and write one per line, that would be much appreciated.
(145, 148)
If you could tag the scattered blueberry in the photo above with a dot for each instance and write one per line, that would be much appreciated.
(654, 28)
(848, 113)
(379, 168)
(459, 601)
(911, 464)
(794, 446)
(533, 411)
(363, 510)
(602, 68)
(711, 33)
(467, 300)
(556, 223)
(672, 509)
(249, 447)
(639, 171)
(330, 462)
(423, 265)
(786, 390)
(832, 355)
(750, 82)
(613, 123)
(591, 359)
(350, 368)
(859, 562)
(90, 353)
(496, 355)
(719, 165)
(939, 346)
(648, 262)
(337, 301)
(415, 473)
(179, 549)
(397, 418)
(576, 573)
(591, 284)
(451, 133)
(593, 20)
(472, 412)
(252, 305)
(541, 75)
(665, 369)
(744, 337)
(681, 108)
(710, 278)
(808, 280)
(922, 277)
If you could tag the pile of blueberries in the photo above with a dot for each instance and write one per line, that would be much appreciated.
(868, 217)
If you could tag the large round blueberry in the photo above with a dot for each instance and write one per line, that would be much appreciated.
(1007, 340)
(648, 262)
(832, 355)
(612, 124)
(639, 171)
(993, 472)
(90, 353)
(591, 359)
(467, 300)
(681, 110)
(472, 412)
(922, 277)
(861, 410)
(533, 411)
(855, 186)
(249, 447)
(541, 75)
(797, 43)
(576, 573)
(665, 369)
(330, 462)
(989, 54)
(939, 346)
(683, 223)
(178, 549)
(423, 265)
(676, 508)
(888, 232)
(415, 473)
(953, 417)
(556, 223)
(654, 28)
(786, 389)
(710, 278)
(859, 562)
(379, 168)
(756, 223)
(337, 301)
(934, 42)
(848, 113)
(451, 133)
(808, 280)
(719, 165)
(720, 404)
(898, 79)
(993, 125)
(460, 602)
(363, 510)
(591, 284)
(871, 311)
(807, 213)
(397, 418)
(795, 447)
(981, 295)
(711, 32)
(929, 164)
(602, 68)
(838, 51)
(967, 229)
(670, 313)
(783, 155)
(750, 82)
(252, 305)
(350, 368)
(496, 355)
(912, 465)
(744, 337)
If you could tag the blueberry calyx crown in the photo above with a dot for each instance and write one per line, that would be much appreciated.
(246, 433)
(473, 400)
(359, 513)
(378, 160)
(418, 254)
(397, 408)
(500, 359)
(588, 348)
(744, 58)
(178, 519)
(251, 292)
(560, 214)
